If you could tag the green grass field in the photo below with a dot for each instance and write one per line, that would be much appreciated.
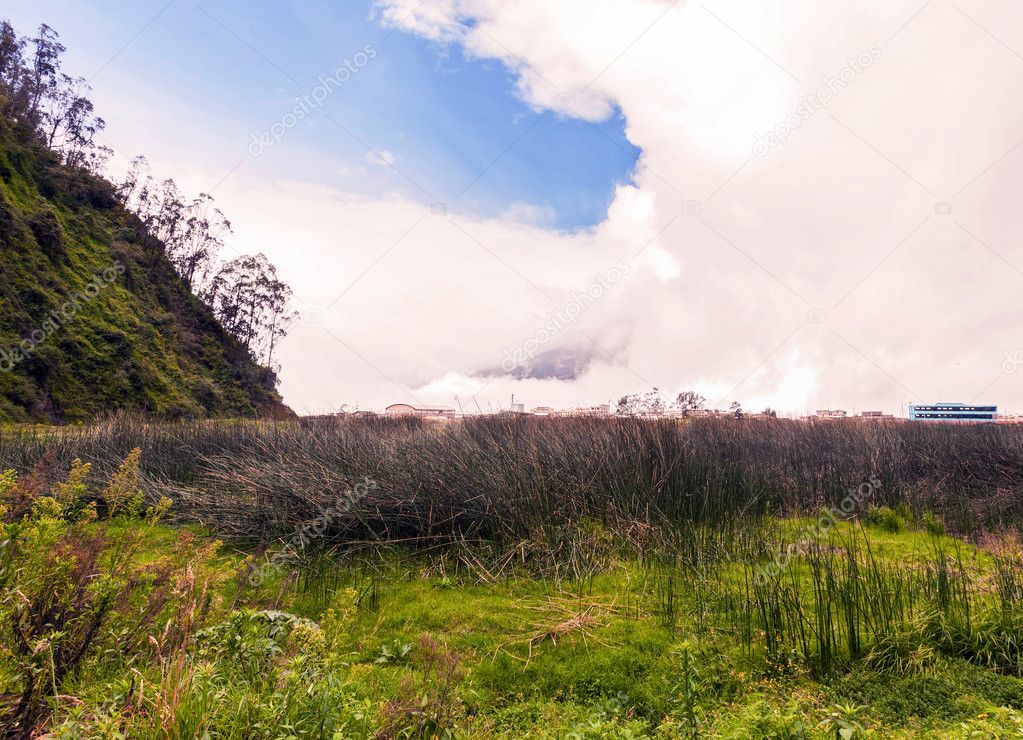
(119, 618)
(390, 645)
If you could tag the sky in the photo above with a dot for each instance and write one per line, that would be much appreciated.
(798, 204)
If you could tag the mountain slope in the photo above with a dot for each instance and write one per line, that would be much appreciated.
(93, 316)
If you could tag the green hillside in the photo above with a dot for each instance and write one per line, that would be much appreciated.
(93, 316)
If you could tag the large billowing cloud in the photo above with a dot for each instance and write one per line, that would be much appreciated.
(825, 213)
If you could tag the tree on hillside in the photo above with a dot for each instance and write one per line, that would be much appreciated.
(246, 295)
(134, 190)
(192, 231)
(159, 205)
(12, 47)
(70, 126)
(167, 218)
(251, 302)
(199, 241)
(54, 106)
(40, 79)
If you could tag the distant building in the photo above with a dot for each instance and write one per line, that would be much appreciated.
(875, 415)
(542, 411)
(831, 414)
(702, 412)
(603, 409)
(952, 412)
(405, 409)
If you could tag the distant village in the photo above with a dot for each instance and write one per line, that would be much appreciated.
(690, 406)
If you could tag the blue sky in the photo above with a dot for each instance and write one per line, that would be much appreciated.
(798, 257)
(202, 78)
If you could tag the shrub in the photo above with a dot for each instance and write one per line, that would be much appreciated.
(72, 493)
(250, 641)
(426, 706)
(933, 524)
(901, 652)
(49, 233)
(8, 480)
(122, 496)
(25, 489)
(70, 588)
(887, 519)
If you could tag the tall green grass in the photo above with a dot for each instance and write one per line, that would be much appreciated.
(838, 601)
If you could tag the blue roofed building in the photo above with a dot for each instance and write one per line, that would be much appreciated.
(952, 412)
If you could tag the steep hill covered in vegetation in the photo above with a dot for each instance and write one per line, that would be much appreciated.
(93, 315)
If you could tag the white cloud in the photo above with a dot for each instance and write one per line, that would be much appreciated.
(530, 213)
(819, 275)
(381, 158)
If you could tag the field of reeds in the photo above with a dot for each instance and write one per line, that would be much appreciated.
(510, 576)
(501, 478)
